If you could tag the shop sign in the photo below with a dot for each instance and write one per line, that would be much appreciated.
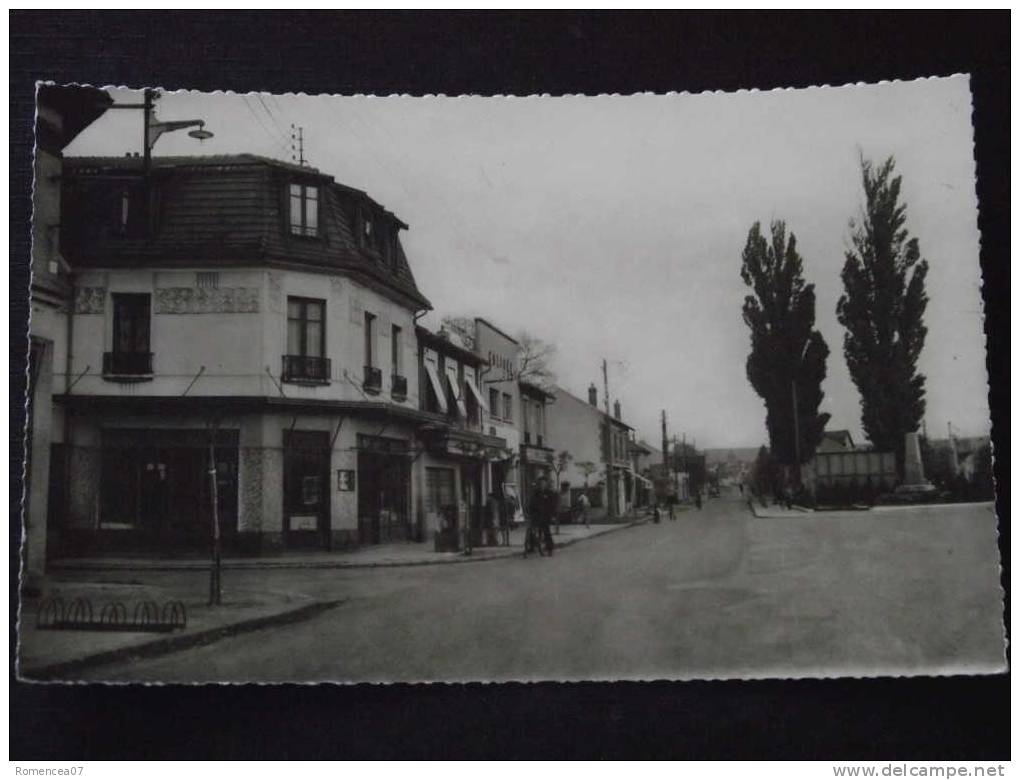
(345, 480)
(382, 444)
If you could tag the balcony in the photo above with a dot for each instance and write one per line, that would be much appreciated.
(373, 380)
(304, 369)
(398, 387)
(127, 366)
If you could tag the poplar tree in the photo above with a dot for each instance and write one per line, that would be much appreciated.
(787, 358)
(882, 309)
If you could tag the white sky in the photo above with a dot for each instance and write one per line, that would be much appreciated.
(613, 226)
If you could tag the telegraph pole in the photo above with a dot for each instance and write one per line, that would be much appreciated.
(665, 442)
(610, 476)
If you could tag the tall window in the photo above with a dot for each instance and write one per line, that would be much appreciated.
(508, 407)
(306, 327)
(304, 210)
(131, 318)
(493, 402)
(396, 351)
(369, 339)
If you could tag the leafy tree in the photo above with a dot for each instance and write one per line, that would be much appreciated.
(534, 361)
(788, 355)
(882, 309)
(559, 465)
(984, 479)
(937, 462)
(587, 468)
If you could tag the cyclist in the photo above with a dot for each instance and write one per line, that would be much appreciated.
(541, 511)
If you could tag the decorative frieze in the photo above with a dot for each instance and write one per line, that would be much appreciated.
(89, 300)
(206, 300)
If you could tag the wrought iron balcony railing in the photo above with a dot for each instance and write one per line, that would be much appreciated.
(398, 386)
(373, 380)
(127, 363)
(305, 368)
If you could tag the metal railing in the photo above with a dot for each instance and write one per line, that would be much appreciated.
(373, 379)
(398, 386)
(127, 363)
(305, 368)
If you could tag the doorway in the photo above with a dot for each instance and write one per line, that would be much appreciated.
(306, 522)
(384, 484)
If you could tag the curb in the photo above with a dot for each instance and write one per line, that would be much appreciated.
(60, 672)
(242, 565)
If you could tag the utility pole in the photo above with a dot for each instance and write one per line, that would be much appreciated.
(610, 476)
(665, 442)
(215, 578)
(146, 141)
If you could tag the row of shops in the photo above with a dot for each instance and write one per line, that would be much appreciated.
(285, 479)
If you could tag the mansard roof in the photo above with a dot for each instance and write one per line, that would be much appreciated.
(225, 210)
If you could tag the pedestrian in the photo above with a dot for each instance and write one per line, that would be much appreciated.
(582, 508)
(493, 516)
(656, 514)
(542, 510)
(697, 498)
(670, 504)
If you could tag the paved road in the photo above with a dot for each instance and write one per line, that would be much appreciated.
(717, 593)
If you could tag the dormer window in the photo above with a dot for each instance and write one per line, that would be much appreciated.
(374, 235)
(304, 210)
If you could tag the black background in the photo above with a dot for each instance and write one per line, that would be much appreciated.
(518, 53)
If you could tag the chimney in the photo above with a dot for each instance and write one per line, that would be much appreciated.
(616, 409)
(593, 395)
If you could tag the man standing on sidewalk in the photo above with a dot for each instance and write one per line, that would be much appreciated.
(582, 508)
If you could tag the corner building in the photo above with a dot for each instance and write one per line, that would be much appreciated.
(245, 312)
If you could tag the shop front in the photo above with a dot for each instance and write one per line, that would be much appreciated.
(384, 489)
(459, 475)
(306, 510)
(535, 464)
(154, 493)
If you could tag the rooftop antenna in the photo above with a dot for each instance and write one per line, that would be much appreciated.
(297, 145)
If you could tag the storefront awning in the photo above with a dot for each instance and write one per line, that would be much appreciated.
(437, 386)
(457, 396)
(647, 481)
(470, 380)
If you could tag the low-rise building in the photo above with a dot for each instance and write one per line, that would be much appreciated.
(593, 438)
(537, 455)
(62, 113)
(455, 467)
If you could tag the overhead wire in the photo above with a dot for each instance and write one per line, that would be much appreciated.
(281, 144)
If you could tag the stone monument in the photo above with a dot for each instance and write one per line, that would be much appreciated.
(913, 469)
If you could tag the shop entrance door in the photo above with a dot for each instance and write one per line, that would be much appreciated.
(306, 523)
(383, 497)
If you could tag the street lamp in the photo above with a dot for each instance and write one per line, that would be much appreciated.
(153, 129)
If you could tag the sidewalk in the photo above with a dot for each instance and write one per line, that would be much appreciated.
(60, 655)
(395, 554)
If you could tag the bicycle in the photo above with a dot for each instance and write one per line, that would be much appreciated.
(533, 541)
